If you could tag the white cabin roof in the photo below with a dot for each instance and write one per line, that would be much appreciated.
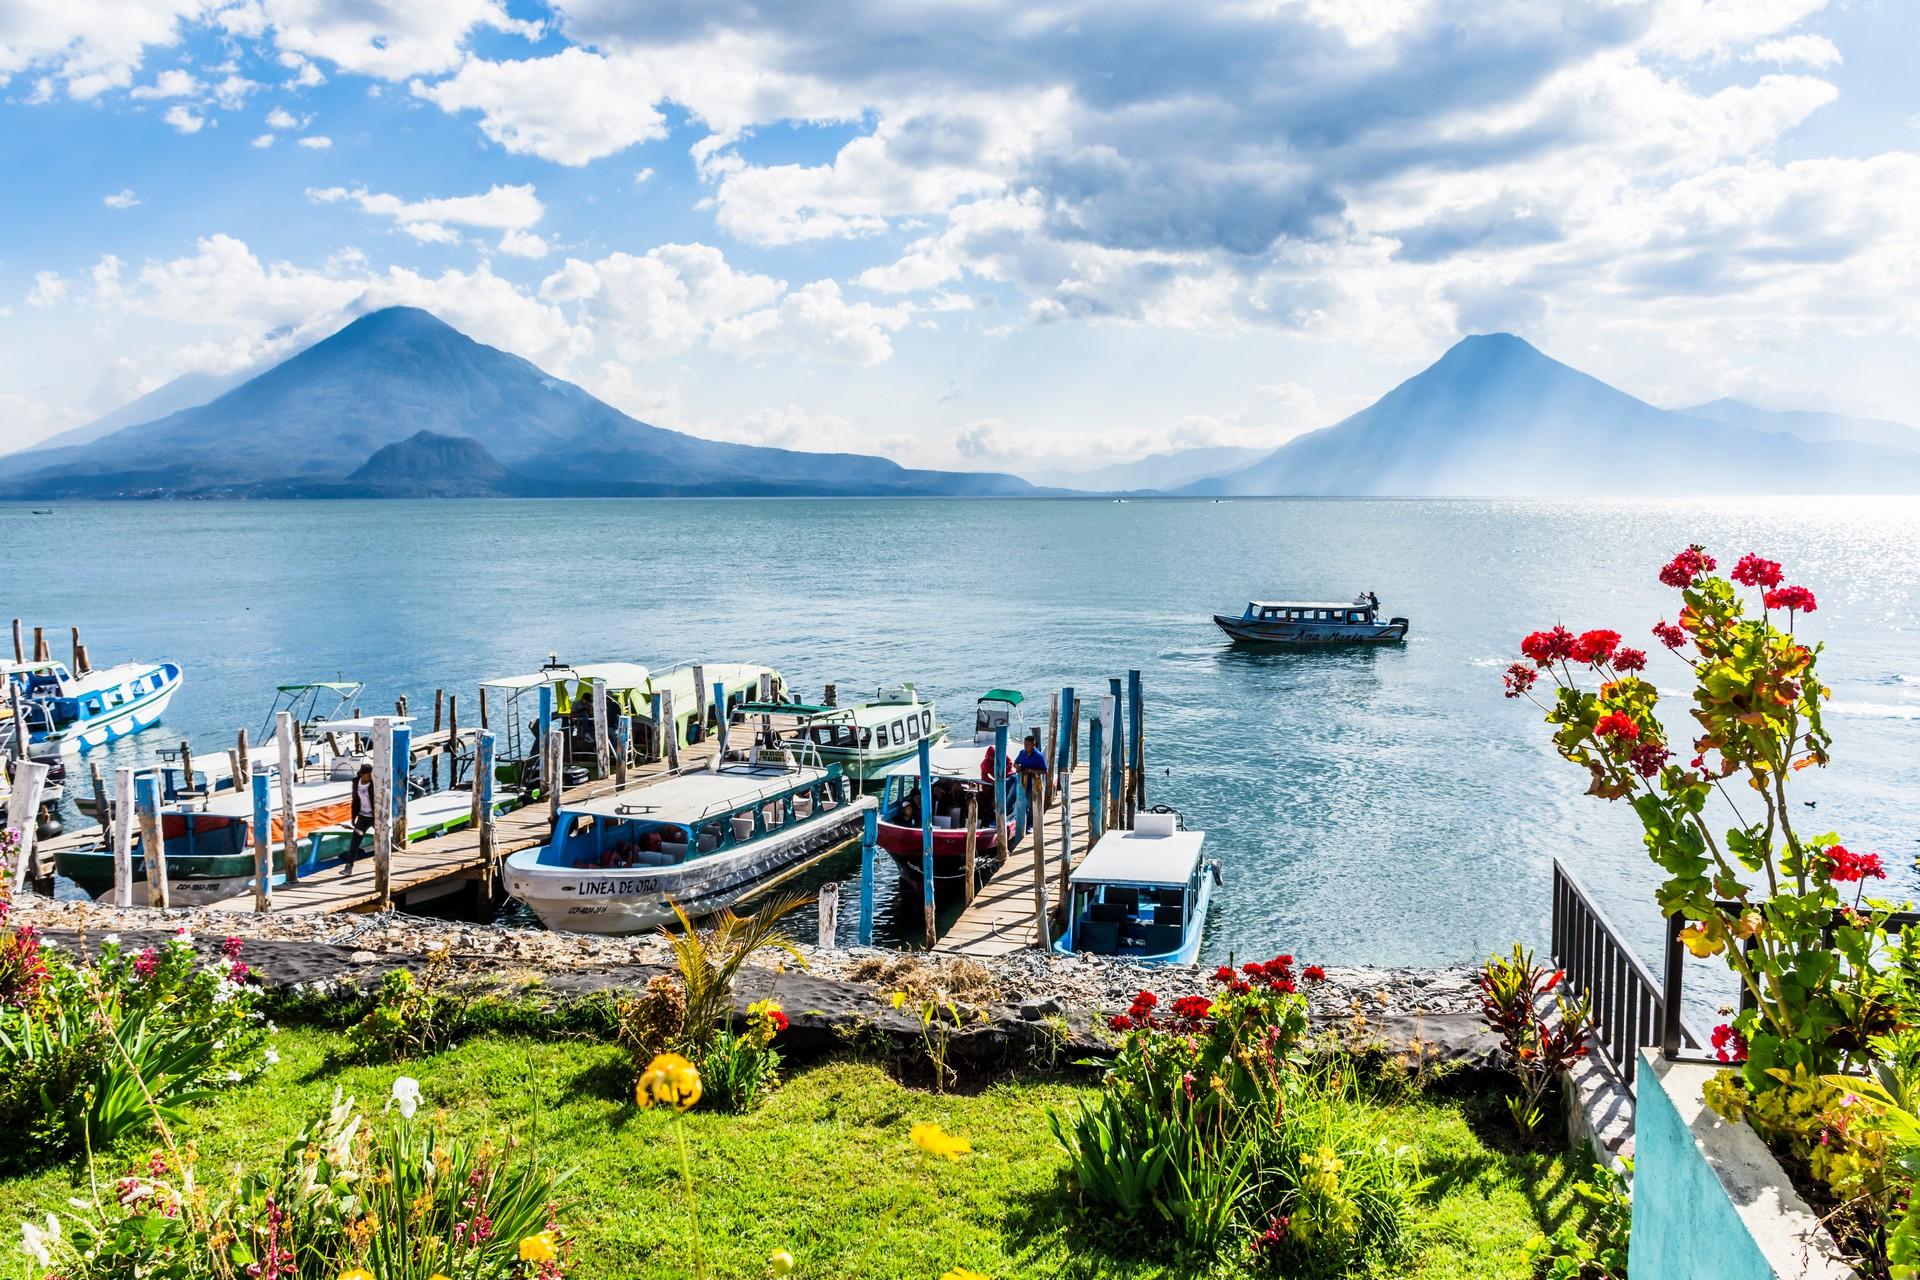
(1312, 604)
(949, 760)
(618, 675)
(321, 728)
(700, 794)
(1137, 857)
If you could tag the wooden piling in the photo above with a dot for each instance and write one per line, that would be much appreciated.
(1069, 728)
(555, 772)
(402, 792)
(284, 737)
(1096, 758)
(483, 708)
(122, 836)
(41, 653)
(602, 745)
(233, 770)
(262, 840)
(86, 661)
(973, 841)
(101, 809)
(245, 757)
(78, 669)
(1048, 744)
(1137, 740)
(383, 809)
(21, 731)
(433, 765)
(869, 837)
(483, 807)
(926, 840)
(700, 702)
(452, 748)
(19, 647)
(623, 750)
(23, 814)
(153, 850)
(1036, 781)
(186, 765)
(671, 729)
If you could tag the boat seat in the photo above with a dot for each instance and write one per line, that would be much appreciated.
(1161, 939)
(1107, 912)
(1128, 899)
(1099, 937)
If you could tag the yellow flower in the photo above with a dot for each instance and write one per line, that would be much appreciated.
(534, 1248)
(899, 999)
(781, 1262)
(669, 1079)
(358, 1273)
(934, 1140)
(439, 1276)
(961, 1273)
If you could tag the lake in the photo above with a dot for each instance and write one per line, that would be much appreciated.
(1371, 805)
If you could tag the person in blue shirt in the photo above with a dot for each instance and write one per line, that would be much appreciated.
(1030, 756)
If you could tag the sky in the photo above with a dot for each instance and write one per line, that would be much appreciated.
(983, 234)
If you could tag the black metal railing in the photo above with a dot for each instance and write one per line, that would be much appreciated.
(1631, 1010)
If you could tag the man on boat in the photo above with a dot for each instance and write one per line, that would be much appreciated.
(362, 815)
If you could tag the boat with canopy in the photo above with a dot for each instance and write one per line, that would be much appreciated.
(1141, 894)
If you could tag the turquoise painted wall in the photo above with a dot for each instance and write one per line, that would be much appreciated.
(1684, 1226)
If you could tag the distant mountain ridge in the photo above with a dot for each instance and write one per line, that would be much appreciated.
(1495, 417)
(1809, 424)
(313, 424)
(1156, 471)
(184, 392)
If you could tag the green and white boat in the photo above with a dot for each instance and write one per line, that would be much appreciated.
(867, 738)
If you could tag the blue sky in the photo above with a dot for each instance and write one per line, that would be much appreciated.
(974, 233)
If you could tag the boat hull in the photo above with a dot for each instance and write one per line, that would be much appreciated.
(1189, 951)
(91, 734)
(1311, 635)
(591, 900)
(903, 845)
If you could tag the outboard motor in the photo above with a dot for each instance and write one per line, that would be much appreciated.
(49, 825)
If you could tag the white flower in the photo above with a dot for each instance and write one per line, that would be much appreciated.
(112, 939)
(233, 1077)
(37, 1243)
(406, 1096)
(273, 1058)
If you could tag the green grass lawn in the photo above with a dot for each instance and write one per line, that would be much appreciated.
(825, 1168)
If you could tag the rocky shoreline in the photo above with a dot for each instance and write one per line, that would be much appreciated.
(1022, 1000)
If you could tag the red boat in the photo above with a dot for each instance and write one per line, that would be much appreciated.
(960, 773)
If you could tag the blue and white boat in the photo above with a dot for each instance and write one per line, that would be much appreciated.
(1142, 894)
(69, 715)
(1312, 622)
(620, 861)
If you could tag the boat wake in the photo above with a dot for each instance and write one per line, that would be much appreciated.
(1877, 710)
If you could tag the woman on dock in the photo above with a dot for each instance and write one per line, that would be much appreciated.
(362, 816)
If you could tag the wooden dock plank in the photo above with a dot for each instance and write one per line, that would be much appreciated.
(1000, 919)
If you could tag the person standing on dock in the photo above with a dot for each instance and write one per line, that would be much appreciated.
(1031, 757)
(362, 815)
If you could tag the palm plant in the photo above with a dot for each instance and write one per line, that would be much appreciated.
(710, 959)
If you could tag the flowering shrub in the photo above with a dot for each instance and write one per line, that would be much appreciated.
(1538, 1049)
(1213, 1119)
(411, 1017)
(347, 1198)
(97, 1049)
(741, 1065)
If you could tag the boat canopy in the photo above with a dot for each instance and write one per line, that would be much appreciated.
(346, 688)
(364, 724)
(1011, 696)
(1142, 857)
(1310, 604)
(947, 761)
(618, 675)
(690, 797)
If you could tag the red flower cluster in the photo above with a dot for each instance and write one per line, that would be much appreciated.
(1192, 1008)
(1595, 647)
(1630, 660)
(1729, 1045)
(1139, 1014)
(1615, 724)
(1520, 678)
(231, 947)
(1755, 571)
(1314, 973)
(1791, 599)
(1669, 634)
(22, 967)
(778, 1020)
(1648, 759)
(1274, 1236)
(1849, 866)
(146, 963)
(1546, 647)
(1685, 567)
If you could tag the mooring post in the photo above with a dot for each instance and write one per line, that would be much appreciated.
(1137, 741)
(153, 850)
(289, 767)
(926, 838)
(122, 836)
(556, 773)
(102, 810)
(244, 756)
(869, 837)
(433, 764)
(452, 748)
(40, 651)
(602, 745)
(484, 724)
(383, 783)
(19, 647)
(1096, 779)
(23, 815)
(1049, 745)
(699, 699)
(1000, 813)
(483, 803)
(672, 728)
(402, 778)
(78, 668)
(656, 745)
(623, 750)
(542, 727)
(1070, 733)
(186, 765)
(973, 843)
(723, 732)
(1042, 925)
(22, 734)
(828, 911)
(262, 840)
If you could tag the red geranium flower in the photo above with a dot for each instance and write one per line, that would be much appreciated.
(1520, 678)
(1685, 567)
(1849, 866)
(1224, 974)
(1668, 634)
(778, 1019)
(1239, 986)
(1792, 599)
(1595, 646)
(1729, 1045)
(1755, 571)
(1120, 1022)
(1314, 973)
(1630, 660)
(1648, 759)
(1614, 724)
(1192, 1008)
(1546, 647)
(231, 947)
(1282, 961)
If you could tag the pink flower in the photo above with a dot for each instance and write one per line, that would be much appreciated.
(1546, 647)
(1668, 634)
(1754, 571)
(1630, 660)
(231, 947)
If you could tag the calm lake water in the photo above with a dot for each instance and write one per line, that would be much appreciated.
(1370, 805)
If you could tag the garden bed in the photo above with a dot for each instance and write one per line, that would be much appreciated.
(825, 1170)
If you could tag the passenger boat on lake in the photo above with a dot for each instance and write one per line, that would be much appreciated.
(962, 779)
(1313, 622)
(867, 739)
(1141, 894)
(67, 714)
(701, 839)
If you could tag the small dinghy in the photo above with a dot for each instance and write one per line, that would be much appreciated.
(1142, 894)
(1312, 622)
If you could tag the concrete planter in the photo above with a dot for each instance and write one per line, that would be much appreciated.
(1709, 1201)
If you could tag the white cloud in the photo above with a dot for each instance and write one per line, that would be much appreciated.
(390, 39)
(524, 244)
(121, 199)
(643, 177)
(90, 46)
(511, 210)
(262, 141)
(168, 84)
(570, 108)
(815, 320)
(316, 142)
(281, 118)
(1812, 51)
(231, 92)
(184, 119)
(49, 288)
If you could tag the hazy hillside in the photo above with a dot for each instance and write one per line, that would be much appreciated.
(1809, 424)
(1155, 471)
(184, 392)
(1493, 416)
(320, 415)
